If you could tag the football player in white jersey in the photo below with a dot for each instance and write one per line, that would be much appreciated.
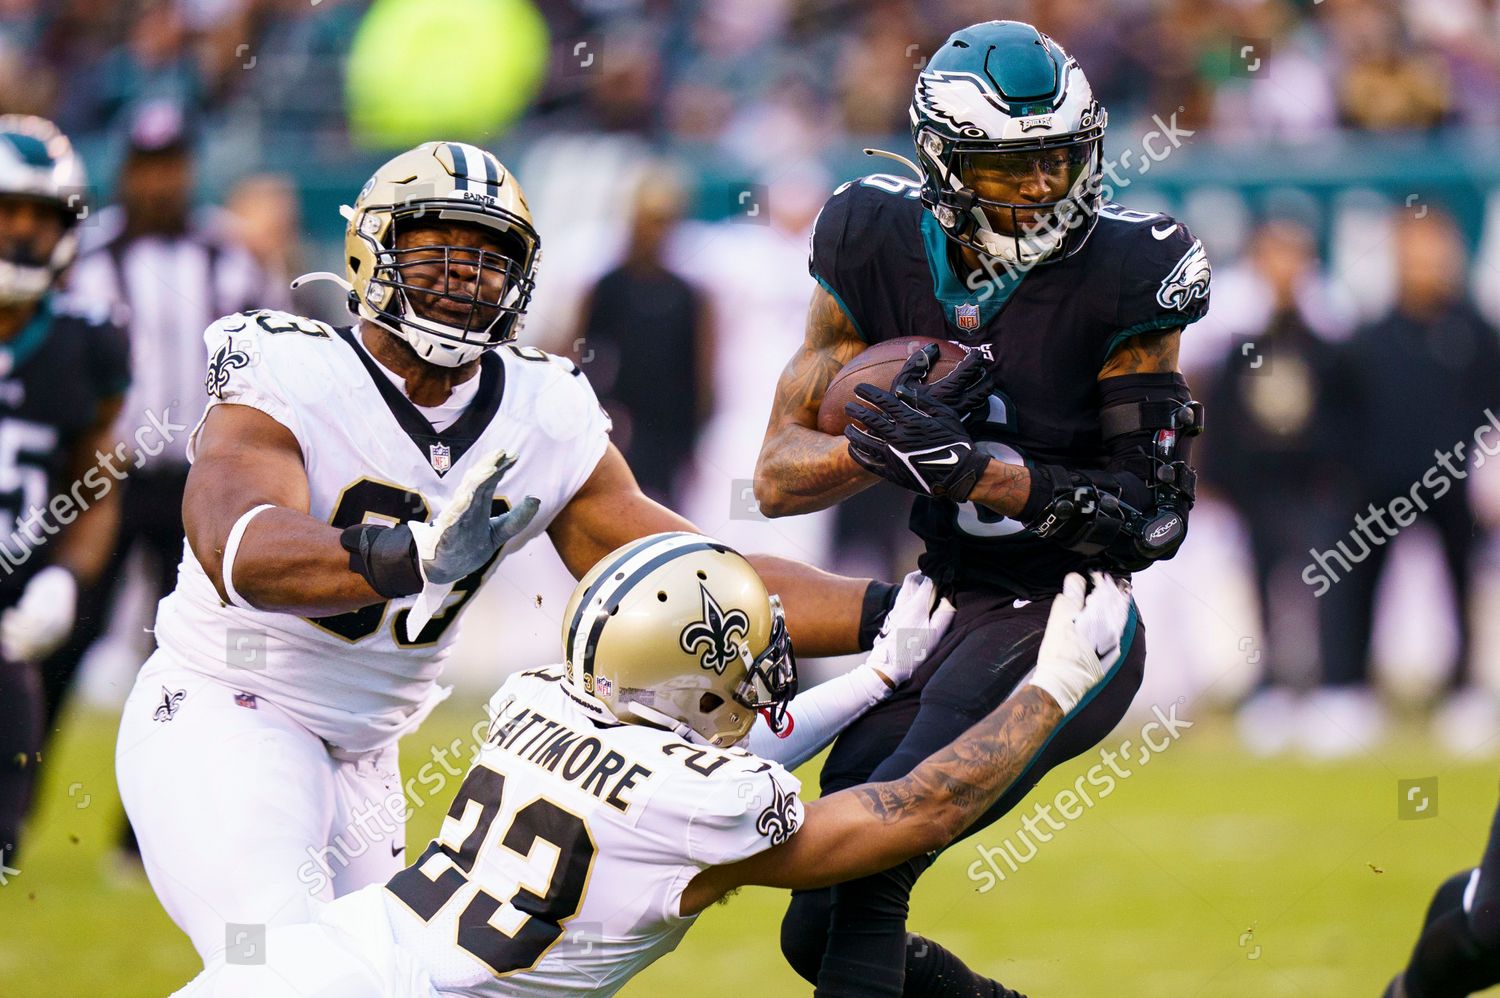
(611, 803)
(341, 511)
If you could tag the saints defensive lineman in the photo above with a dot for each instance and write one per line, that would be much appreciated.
(350, 490)
(1058, 444)
(611, 803)
(63, 373)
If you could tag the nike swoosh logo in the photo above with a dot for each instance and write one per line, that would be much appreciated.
(397, 850)
(1161, 234)
(950, 459)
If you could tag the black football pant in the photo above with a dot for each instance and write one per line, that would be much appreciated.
(150, 522)
(1459, 951)
(851, 939)
(20, 742)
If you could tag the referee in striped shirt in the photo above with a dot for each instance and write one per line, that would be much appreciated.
(167, 273)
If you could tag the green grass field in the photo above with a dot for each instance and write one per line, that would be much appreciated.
(1204, 873)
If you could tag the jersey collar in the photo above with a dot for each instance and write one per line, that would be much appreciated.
(965, 308)
(444, 449)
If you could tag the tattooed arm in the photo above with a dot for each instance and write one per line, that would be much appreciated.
(1004, 488)
(801, 469)
(871, 828)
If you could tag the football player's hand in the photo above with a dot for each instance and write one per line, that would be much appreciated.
(1082, 641)
(464, 536)
(912, 629)
(42, 618)
(966, 389)
(928, 451)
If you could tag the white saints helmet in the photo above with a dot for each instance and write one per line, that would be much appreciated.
(1001, 99)
(483, 307)
(677, 631)
(38, 162)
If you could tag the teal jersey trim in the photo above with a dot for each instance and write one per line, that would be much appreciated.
(1127, 639)
(951, 292)
(32, 335)
(1164, 322)
(847, 314)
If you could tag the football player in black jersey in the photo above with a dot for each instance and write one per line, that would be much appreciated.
(62, 379)
(1059, 442)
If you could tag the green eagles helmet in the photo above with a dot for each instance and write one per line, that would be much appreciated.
(1000, 100)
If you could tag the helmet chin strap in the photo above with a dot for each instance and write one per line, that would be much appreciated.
(657, 719)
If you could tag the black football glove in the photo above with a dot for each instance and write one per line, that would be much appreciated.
(965, 389)
(925, 451)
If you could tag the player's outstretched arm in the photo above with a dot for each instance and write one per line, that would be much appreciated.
(826, 614)
(867, 829)
(801, 469)
(286, 560)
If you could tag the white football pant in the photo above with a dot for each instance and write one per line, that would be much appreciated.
(245, 818)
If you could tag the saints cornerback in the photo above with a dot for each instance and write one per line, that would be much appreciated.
(63, 372)
(351, 488)
(613, 798)
(1058, 444)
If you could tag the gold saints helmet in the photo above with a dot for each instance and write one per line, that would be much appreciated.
(677, 631)
(483, 294)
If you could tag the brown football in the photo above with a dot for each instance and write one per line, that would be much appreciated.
(879, 365)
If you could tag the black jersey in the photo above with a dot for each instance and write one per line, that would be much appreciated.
(1047, 333)
(55, 374)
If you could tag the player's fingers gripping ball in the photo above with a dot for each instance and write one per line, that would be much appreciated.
(927, 452)
(965, 389)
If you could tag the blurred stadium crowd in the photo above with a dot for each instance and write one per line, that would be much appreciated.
(1340, 169)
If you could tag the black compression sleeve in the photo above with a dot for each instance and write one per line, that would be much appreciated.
(879, 598)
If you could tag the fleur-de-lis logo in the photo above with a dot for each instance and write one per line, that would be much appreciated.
(716, 631)
(779, 820)
(224, 360)
(170, 700)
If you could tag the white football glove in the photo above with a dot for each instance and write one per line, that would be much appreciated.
(464, 536)
(915, 624)
(1082, 642)
(42, 618)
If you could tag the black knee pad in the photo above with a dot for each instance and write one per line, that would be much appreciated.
(804, 932)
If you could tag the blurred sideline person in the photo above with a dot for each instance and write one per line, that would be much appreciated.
(1433, 351)
(341, 512)
(1285, 411)
(167, 276)
(1062, 439)
(62, 375)
(647, 339)
(751, 267)
(638, 772)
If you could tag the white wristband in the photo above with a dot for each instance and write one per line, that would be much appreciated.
(232, 548)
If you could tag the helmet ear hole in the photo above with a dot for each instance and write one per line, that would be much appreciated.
(661, 596)
(710, 702)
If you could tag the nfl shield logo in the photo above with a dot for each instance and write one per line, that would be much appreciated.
(966, 316)
(442, 457)
(603, 686)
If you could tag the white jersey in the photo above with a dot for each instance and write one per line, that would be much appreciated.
(370, 456)
(561, 862)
